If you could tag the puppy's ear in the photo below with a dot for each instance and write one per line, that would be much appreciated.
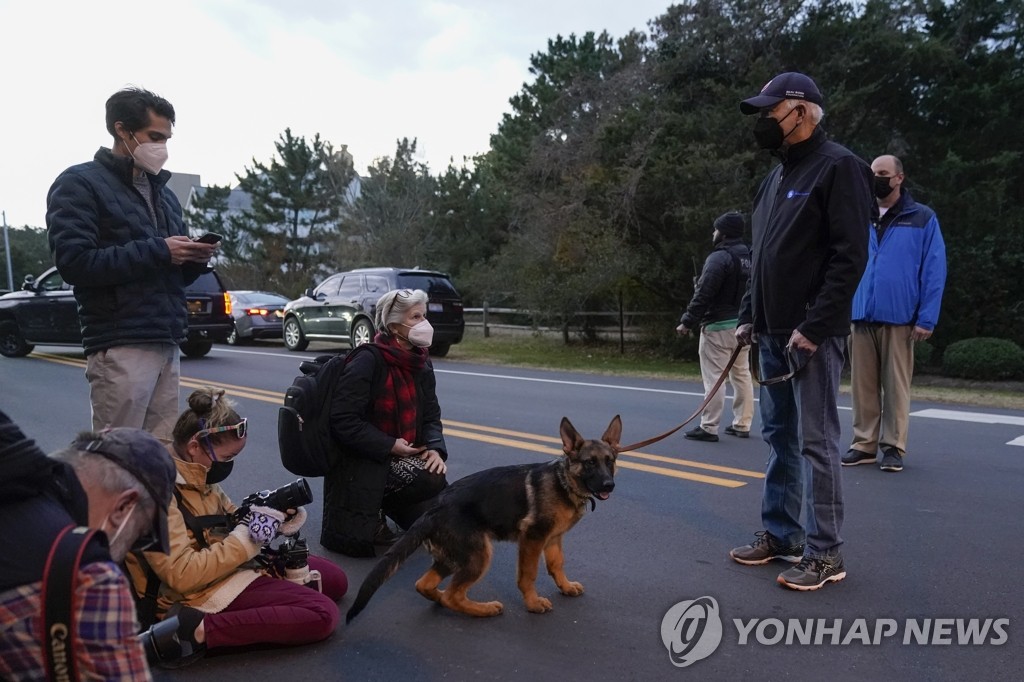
(572, 441)
(613, 434)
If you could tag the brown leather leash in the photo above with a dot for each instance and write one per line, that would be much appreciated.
(707, 399)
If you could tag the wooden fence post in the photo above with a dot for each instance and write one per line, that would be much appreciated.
(487, 332)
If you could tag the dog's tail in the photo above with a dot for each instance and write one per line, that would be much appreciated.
(408, 543)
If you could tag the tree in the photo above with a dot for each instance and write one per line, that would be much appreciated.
(390, 223)
(30, 254)
(297, 203)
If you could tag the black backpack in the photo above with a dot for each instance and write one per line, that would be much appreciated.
(304, 421)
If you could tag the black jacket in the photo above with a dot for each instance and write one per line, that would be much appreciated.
(105, 244)
(721, 286)
(354, 488)
(39, 496)
(810, 224)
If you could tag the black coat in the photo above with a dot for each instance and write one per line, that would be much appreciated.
(39, 496)
(105, 244)
(722, 282)
(354, 487)
(810, 223)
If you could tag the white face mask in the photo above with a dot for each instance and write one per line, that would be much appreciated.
(149, 156)
(421, 334)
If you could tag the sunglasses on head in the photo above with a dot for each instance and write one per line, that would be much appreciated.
(239, 429)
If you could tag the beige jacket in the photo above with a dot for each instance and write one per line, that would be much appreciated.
(207, 579)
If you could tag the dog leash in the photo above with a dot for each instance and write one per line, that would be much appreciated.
(707, 399)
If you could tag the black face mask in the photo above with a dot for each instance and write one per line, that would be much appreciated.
(218, 472)
(882, 188)
(768, 131)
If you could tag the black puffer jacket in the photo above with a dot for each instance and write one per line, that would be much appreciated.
(722, 283)
(354, 488)
(105, 244)
(810, 222)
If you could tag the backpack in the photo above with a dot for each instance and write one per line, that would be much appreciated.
(304, 421)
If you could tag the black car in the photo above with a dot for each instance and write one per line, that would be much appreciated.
(257, 315)
(341, 308)
(45, 312)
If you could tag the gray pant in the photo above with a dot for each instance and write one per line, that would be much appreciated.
(135, 385)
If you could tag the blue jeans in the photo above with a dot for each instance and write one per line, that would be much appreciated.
(800, 423)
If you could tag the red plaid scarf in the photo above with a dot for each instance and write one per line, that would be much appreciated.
(395, 409)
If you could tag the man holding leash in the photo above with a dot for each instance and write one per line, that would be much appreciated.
(810, 228)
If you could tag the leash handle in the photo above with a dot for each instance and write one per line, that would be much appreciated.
(707, 399)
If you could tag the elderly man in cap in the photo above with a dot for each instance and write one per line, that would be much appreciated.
(810, 229)
(118, 482)
(715, 307)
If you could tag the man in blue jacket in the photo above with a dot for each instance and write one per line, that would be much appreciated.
(896, 304)
(116, 235)
(810, 246)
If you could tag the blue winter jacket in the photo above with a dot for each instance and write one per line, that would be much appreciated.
(105, 244)
(906, 272)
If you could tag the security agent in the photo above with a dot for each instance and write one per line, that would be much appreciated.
(117, 482)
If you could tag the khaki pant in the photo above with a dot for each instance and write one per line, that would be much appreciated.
(881, 367)
(715, 349)
(135, 385)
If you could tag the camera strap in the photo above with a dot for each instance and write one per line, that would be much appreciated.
(58, 602)
(199, 524)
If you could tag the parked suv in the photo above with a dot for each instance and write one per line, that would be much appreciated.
(341, 308)
(45, 312)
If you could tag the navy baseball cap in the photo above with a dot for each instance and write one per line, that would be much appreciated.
(789, 85)
(147, 460)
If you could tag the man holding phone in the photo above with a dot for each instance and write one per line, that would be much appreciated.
(116, 233)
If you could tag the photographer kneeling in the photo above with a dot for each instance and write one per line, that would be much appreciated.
(221, 596)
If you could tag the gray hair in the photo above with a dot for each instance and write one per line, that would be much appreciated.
(814, 111)
(107, 476)
(392, 306)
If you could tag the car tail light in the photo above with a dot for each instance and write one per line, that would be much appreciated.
(256, 311)
(227, 304)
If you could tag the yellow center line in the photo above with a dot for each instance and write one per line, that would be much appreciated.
(458, 429)
(725, 482)
(635, 454)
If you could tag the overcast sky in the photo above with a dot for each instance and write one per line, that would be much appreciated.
(239, 72)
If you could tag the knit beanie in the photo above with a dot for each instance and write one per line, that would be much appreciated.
(730, 224)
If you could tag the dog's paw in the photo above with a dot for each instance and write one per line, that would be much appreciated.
(538, 605)
(491, 608)
(571, 589)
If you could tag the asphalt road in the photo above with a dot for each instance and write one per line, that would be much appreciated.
(934, 553)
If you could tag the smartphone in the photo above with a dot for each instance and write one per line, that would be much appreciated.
(209, 238)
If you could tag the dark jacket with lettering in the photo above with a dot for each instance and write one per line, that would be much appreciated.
(906, 271)
(721, 285)
(810, 225)
(104, 243)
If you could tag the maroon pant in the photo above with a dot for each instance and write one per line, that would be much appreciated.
(275, 611)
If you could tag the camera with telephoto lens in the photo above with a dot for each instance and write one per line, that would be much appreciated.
(161, 641)
(286, 497)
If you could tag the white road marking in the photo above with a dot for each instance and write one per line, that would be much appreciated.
(977, 417)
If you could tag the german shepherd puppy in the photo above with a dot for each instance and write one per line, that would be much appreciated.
(532, 504)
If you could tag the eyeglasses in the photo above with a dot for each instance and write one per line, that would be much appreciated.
(404, 293)
(239, 429)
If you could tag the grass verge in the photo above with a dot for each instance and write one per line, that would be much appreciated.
(548, 352)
